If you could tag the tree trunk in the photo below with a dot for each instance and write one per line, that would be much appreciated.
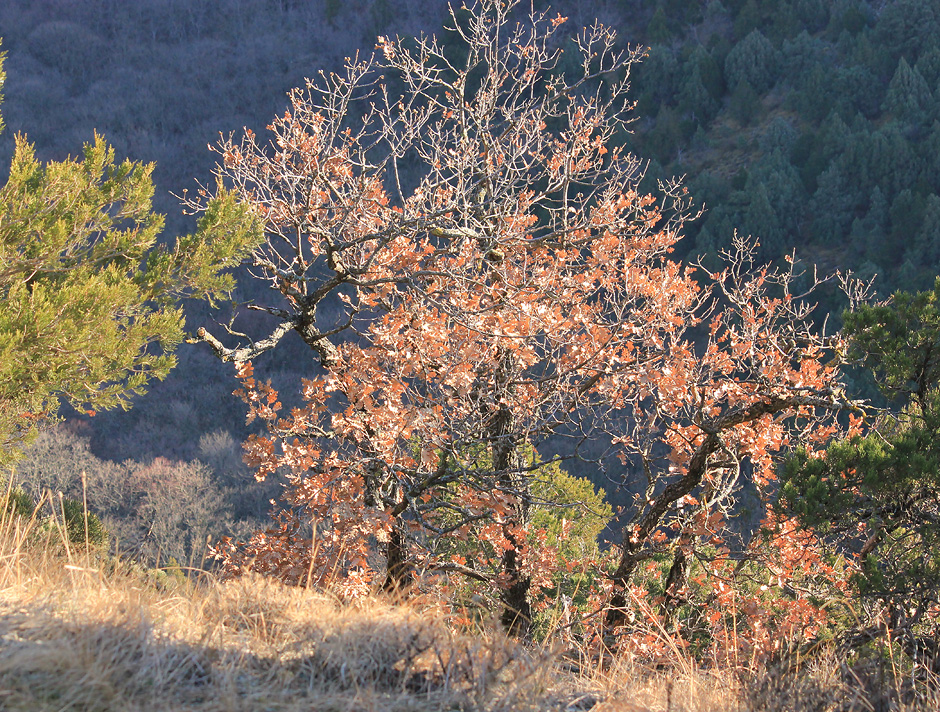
(399, 571)
(635, 537)
(517, 609)
(675, 582)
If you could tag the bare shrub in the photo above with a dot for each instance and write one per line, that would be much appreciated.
(155, 510)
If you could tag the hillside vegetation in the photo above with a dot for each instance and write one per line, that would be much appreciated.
(80, 630)
(83, 631)
(509, 363)
(809, 124)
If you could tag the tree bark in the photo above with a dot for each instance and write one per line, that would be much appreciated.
(517, 608)
(399, 570)
(636, 536)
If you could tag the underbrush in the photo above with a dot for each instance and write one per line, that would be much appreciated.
(80, 630)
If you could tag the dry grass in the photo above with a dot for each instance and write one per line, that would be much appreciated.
(79, 633)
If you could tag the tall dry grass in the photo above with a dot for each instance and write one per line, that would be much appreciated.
(81, 631)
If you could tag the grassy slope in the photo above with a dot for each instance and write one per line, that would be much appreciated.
(74, 636)
(79, 633)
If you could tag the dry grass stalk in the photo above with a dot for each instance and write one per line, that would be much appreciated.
(79, 632)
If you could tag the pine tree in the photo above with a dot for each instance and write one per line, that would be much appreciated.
(89, 302)
(744, 103)
(753, 60)
(657, 32)
(761, 220)
(909, 98)
(878, 493)
(694, 99)
(926, 251)
(831, 206)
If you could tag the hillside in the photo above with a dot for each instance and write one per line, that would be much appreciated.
(810, 124)
(81, 631)
(545, 429)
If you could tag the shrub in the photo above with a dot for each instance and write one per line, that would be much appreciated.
(16, 500)
(81, 525)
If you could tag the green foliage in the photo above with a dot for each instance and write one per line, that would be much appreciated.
(569, 514)
(745, 103)
(17, 501)
(926, 248)
(901, 343)
(852, 17)
(907, 215)
(82, 526)
(566, 514)
(812, 14)
(879, 491)
(88, 298)
(832, 204)
(747, 20)
(906, 28)
(695, 99)
(569, 510)
(657, 31)
(908, 97)
(760, 219)
(928, 66)
(753, 60)
(855, 83)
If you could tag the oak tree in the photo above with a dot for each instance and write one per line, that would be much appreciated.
(457, 234)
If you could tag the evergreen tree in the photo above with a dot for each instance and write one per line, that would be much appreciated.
(926, 248)
(813, 100)
(695, 100)
(747, 20)
(657, 31)
(908, 98)
(779, 136)
(847, 16)
(744, 103)
(799, 56)
(812, 14)
(784, 190)
(886, 157)
(785, 23)
(928, 66)
(89, 303)
(761, 220)
(931, 157)
(906, 28)
(709, 70)
(854, 92)
(831, 206)
(907, 215)
(871, 235)
(657, 80)
(715, 11)
(753, 60)
(879, 492)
